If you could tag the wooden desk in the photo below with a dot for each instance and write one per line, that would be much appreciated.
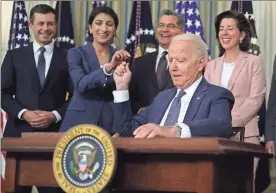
(202, 165)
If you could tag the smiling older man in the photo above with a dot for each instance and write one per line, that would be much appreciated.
(192, 108)
(150, 74)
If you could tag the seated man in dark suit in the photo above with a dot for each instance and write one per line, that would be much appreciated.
(150, 74)
(193, 108)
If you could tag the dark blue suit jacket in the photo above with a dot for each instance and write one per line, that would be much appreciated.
(19, 78)
(208, 114)
(90, 103)
(143, 87)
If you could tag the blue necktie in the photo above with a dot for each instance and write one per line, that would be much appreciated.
(174, 111)
(41, 66)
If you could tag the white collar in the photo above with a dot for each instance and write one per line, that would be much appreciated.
(191, 89)
(161, 50)
(49, 47)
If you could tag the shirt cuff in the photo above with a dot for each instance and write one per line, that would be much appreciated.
(57, 115)
(185, 130)
(106, 73)
(120, 96)
(21, 113)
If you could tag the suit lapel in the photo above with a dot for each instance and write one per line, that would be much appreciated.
(92, 62)
(111, 52)
(163, 105)
(217, 74)
(30, 61)
(110, 80)
(196, 100)
(151, 63)
(53, 66)
(166, 77)
(239, 63)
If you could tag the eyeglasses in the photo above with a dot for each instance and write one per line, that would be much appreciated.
(169, 26)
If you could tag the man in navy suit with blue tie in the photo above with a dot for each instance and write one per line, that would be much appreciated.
(34, 83)
(35, 79)
(192, 108)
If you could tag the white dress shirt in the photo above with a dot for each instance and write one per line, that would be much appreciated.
(48, 57)
(122, 96)
(159, 55)
(227, 70)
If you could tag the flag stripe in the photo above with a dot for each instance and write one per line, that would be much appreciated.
(4, 118)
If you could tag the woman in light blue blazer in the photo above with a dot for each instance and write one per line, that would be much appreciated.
(91, 69)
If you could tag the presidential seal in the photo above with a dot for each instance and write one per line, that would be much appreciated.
(84, 159)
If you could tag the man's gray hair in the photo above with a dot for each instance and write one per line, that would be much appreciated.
(200, 46)
(168, 12)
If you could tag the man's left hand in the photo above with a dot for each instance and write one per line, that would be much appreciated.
(151, 130)
(122, 76)
(48, 119)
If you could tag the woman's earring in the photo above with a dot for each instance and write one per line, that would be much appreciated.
(241, 41)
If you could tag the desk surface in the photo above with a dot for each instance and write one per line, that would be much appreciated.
(210, 165)
(210, 146)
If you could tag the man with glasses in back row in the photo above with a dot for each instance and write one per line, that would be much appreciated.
(150, 73)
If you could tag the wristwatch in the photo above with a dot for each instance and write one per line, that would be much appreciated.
(178, 130)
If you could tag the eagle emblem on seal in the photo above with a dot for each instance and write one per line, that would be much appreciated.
(83, 164)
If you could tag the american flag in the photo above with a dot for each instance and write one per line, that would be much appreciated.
(65, 34)
(19, 30)
(98, 3)
(19, 37)
(246, 8)
(141, 36)
(191, 17)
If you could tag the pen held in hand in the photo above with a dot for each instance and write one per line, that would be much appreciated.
(127, 60)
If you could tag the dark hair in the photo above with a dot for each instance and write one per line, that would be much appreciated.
(243, 25)
(42, 8)
(106, 10)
